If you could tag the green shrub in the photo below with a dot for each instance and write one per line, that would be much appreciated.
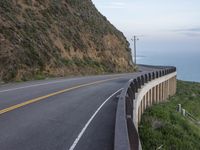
(176, 132)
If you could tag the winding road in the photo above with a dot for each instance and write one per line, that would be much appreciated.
(60, 114)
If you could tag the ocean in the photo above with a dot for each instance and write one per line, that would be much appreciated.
(187, 63)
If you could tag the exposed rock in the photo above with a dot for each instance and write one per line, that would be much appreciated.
(58, 38)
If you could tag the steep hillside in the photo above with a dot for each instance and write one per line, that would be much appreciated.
(58, 38)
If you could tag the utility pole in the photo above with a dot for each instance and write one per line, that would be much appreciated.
(134, 41)
(135, 48)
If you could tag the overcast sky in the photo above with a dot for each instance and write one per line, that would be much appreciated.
(160, 21)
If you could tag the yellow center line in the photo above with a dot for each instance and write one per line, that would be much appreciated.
(50, 95)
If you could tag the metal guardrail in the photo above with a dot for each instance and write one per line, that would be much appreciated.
(126, 135)
(185, 113)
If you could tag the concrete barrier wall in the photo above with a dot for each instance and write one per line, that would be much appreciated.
(138, 94)
(155, 91)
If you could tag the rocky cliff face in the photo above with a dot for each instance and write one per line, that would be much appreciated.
(58, 38)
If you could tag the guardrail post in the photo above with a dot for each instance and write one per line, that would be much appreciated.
(168, 71)
(133, 88)
(136, 85)
(149, 74)
(129, 107)
(139, 82)
(146, 78)
(142, 79)
(163, 72)
(183, 112)
(130, 93)
(160, 73)
(133, 135)
(153, 75)
(179, 108)
(156, 74)
(157, 92)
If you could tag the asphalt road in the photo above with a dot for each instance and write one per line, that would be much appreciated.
(60, 114)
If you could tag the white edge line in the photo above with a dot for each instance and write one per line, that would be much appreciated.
(34, 85)
(40, 84)
(90, 120)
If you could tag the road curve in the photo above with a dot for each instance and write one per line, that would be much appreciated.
(60, 114)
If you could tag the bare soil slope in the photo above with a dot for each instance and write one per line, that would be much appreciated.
(58, 38)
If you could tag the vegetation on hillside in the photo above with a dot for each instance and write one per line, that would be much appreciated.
(57, 38)
(162, 127)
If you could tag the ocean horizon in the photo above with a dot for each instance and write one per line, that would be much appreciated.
(187, 64)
